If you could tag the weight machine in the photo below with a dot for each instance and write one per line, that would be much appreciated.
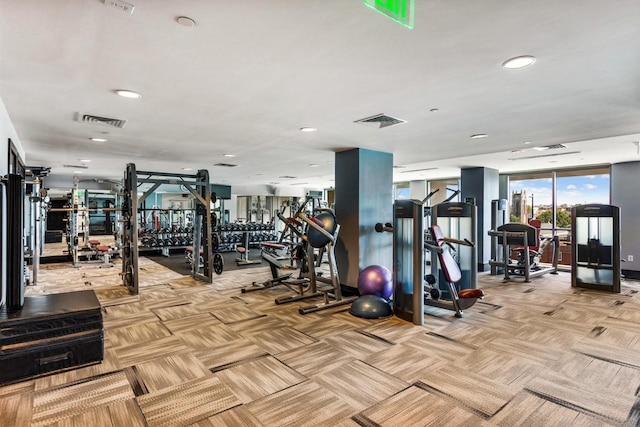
(450, 286)
(198, 185)
(525, 243)
(318, 232)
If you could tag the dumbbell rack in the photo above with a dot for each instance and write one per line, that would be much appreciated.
(230, 236)
(169, 237)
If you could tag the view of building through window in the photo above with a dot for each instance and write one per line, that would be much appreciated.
(532, 195)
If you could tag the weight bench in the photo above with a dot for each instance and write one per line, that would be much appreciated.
(244, 252)
(269, 252)
(188, 254)
(104, 252)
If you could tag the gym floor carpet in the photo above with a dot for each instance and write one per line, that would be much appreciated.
(187, 353)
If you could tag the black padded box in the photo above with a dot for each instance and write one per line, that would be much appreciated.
(49, 334)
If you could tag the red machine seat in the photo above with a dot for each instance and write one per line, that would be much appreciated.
(103, 248)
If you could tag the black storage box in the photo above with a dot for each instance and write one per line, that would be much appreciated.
(49, 334)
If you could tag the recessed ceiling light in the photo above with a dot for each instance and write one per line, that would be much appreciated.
(129, 94)
(85, 160)
(527, 142)
(306, 129)
(229, 155)
(185, 21)
(187, 169)
(540, 148)
(516, 151)
(479, 135)
(99, 140)
(519, 62)
(313, 165)
(77, 172)
(434, 110)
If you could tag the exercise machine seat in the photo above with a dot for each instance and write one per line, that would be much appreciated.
(537, 224)
(533, 235)
(471, 293)
(190, 249)
(449, 265)
(102, 248)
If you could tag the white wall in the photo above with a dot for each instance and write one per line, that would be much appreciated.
(7, 131)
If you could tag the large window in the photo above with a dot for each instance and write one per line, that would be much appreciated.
(530, 195)
(549, 197)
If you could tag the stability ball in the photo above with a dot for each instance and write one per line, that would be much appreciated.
(371, 307)
(376, 280)
(327, 221)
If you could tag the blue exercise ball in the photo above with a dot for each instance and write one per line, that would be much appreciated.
(371, 307)
(376, 280)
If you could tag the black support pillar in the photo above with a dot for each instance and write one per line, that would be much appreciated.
(364, 197)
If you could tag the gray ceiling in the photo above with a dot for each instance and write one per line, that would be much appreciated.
(251, 73)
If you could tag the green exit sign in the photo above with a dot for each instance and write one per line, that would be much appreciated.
(400, 11)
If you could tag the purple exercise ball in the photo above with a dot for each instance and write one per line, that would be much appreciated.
(376, 280)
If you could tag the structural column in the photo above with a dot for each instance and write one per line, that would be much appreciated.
(482, 185)
(364, 197)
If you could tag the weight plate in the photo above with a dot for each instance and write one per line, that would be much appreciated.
(218, 263)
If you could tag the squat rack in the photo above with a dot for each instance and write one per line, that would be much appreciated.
(198, 185)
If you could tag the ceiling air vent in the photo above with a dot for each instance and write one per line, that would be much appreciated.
(75, 166)
(554, 146)
(97, 120)
(380, 121)
(546, 155)
(225, 165)
(419, 170)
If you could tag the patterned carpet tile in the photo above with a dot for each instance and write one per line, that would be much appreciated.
(394, 330)
(306, 404)
(250, 327)
(502, 368)
(163, 347)
(136, 334)
(527, 409)
(404, 362)
(593, 401)
(236, 416)
(16, 407)
(207, 337)
(190, 322)
(55, 404)
(226, 355)
(357, 344)
(282, 339)
(434, 344)
(468, 389)
(360, 385)
(604, 351)
(315, 358)
(235, 314)
(158, 374)
(177, 311)
(186, 403)
(258, 378)
(416, 407)
(533, 352)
